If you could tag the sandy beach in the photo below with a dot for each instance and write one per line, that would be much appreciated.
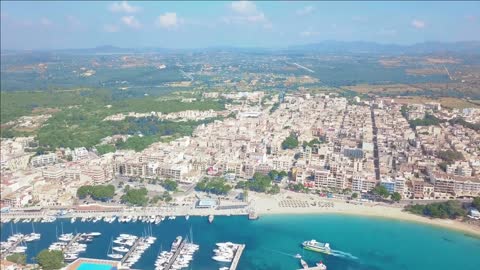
(268, 204)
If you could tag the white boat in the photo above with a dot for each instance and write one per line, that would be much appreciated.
(72, 220)
(121, 249)
(210, 218)
(187, 217)
(222, 258)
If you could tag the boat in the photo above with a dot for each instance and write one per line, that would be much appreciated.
(298, 256)
(313, 245)
(72, 220)
(210, 218)
(321, 266)
(187, 217)
(120, 249)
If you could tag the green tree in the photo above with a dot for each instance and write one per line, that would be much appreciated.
(290, 142)
(354, 195)
(50, 260)
(216, 185)
(18, 258)
(381, 191)
(476, 203)
(450, 209)
(259, 183)
(135, 196)
(169, 185)
(396, 197)
(275, 189)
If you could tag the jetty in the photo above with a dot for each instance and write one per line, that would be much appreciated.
(237, 256)
(74, 239)
(12, 247)
(132, 249)
(175, 255)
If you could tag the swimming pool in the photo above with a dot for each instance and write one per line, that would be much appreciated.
(95, 266)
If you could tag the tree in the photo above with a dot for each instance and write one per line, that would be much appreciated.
(18, 258)
(290, 142)
(476, 203)
(449, 209)
(396, 197)
(98, 192)
(354, 195)
(135, 196)
(381, 191)
(50, 259)
(216, 185)
(275, 189)
(169, 185)
(259, 183)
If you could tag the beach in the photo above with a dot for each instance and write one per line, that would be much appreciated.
(267, 204)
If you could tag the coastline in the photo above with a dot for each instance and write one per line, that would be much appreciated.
(269, 206)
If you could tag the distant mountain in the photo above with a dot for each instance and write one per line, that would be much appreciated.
(341, 47)
(372, 47)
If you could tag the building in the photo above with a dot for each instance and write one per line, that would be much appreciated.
(44, 160)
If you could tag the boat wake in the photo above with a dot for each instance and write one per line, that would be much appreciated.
(280, 252)
(338, 253)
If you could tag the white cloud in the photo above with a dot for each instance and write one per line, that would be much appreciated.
(168, 20)
(244, 7)
(131, 22)
(110, 28)
(418, 24)
(45, 21)
(309, 33)
(124, 7)
(246, 12)
(305, 10)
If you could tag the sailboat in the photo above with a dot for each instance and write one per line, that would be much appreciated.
(112, 254)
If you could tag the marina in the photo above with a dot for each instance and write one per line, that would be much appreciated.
(268, 250)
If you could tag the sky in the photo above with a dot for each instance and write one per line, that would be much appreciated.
(197, 24)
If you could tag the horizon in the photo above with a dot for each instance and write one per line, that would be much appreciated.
(239, 24)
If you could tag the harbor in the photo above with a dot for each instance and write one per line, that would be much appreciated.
(267, 250)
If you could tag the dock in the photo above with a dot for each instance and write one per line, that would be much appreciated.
(175, 255)
(9, 251)
(237, 256)
(132, 249)
(74, 239)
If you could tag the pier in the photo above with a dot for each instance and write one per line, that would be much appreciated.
(9, 251)
(237, 256)
(175, 255)
(132, 249)
(74, 239)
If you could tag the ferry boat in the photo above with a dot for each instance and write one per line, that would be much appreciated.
(313, 245)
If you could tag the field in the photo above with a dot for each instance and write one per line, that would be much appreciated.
(453, 103)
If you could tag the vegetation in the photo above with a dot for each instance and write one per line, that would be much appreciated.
(297, 187)
(50, 260)
(18, 258)
(380, 191)
(261, 183)
(99, 192)
(396, 197)
(312, 143)
(274, 174)
(476, 203)
(449, 156)
(105, 148)
(290, 142)
(216, 185)
(354, 195)
(170, 185)
(450, 209)
(428, 120)
(275, 189)
(135, 196)
(275, 107)
(461, 121)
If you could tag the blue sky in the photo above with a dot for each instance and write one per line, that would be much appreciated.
(47, 25)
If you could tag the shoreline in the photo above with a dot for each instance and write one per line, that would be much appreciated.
(270, 206)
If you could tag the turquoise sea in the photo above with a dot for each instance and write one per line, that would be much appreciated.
(272, 241)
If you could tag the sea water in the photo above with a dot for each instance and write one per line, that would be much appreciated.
(272, 241)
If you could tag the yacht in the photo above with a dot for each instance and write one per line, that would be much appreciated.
(121, 249)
